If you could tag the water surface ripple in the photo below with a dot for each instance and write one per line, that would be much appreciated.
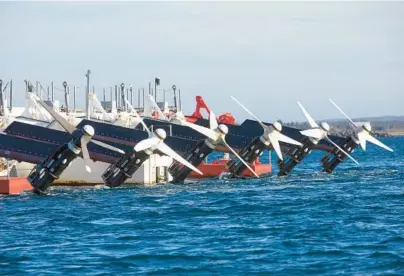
(349, 222)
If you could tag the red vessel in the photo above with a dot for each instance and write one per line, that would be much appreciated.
(217, 167)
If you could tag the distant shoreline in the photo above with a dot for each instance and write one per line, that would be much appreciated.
(385, 126)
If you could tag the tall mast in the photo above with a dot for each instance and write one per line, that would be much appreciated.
(175, 97)
(11, 94)
(156, 85)
(66, 96)
(88, 95)
(74, 98)
(1, 99)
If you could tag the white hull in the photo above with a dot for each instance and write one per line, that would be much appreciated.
(75, 174)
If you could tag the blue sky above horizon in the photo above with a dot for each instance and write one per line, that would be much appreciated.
(266, 54)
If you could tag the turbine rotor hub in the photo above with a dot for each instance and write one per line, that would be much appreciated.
(160, 133)
(367, 127)
(325, 127)
(277, 126)
(223, 129)
(88, 130)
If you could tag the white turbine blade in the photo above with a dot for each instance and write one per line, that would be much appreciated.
(134, 112)
(314, 132)
(275, 144)
(130, 106)
(283, 138)
(168, 151)
(98, 105)
(145, 126)
(373, 140)
(343, 113)
(86, 156)
(249, 112)
(338, 147)
(161, 114)
(238, 156)
(212, 120)
(203, 130)
(146, 144)
(62, 121)
(105, 145)
(306, 114)
(362, 139)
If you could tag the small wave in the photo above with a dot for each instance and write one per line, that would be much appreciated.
(110, 221)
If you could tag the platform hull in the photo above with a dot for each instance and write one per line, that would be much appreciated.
(76, 175)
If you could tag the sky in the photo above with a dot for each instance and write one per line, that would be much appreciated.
(268, 55)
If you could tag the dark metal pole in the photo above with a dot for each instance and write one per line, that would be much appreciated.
(143, 97)
(103, 92)
(175, 96)
(47, 91)
(110, 94)
(156, 84)
(66, 99)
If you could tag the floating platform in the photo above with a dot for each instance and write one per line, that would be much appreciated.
(14, 185)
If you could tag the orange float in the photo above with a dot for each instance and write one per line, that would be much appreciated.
(14, 185)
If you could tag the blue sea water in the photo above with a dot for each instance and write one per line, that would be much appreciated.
(348, 222)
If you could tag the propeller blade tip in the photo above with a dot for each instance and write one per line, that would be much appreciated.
(198, 171)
